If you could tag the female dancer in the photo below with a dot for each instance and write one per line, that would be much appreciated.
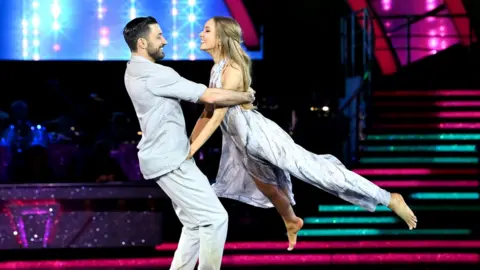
(258, 156)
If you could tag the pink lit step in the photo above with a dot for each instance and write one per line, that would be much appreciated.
(414, 244)
(415, 171)
(431, 114)
(426, 183)
(443, 104)
(258, 260)
(430, 126)
(423, 93)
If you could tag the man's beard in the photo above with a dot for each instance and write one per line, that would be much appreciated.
(156, 53)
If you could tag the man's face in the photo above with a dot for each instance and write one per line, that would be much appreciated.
(155, 42)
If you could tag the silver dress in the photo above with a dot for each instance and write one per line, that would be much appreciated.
(256, 147)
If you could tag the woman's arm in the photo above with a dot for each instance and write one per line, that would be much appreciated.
(232, 80)
(202, 121)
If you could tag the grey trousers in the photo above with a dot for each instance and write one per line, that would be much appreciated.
(204, 219)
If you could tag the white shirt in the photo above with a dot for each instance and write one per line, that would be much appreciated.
(156, 91)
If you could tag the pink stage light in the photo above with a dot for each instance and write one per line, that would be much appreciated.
(386, 5)
(426, 183)
(256, 260)
(240, 13)
(430, 126)
(17, 210)
(443, 104)
(442, 93)
(341, 245)
(104, 31)
(470, 114)
(414, 171)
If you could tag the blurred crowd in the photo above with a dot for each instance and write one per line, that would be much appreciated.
(92, 143)
(75, 147)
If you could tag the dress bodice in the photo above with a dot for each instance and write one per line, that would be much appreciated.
(216, 74)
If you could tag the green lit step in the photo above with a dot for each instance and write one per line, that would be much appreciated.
(422, 160)
(381, 208)
(374, 232)
(418, 148)
(350, 220)
(410, 137)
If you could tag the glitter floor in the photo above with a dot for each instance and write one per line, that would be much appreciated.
(394, 254)
(275, 261)
(265, 260)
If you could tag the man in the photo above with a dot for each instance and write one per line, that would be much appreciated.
(155, 91)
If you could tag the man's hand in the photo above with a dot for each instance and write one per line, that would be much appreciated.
(251, 94)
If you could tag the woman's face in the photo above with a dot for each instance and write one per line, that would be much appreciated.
(208, 37)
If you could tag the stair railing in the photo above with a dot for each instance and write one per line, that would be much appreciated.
(411, 19)
(357, 58)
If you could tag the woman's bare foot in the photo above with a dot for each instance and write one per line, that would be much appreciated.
(292, 230)
(398, 205)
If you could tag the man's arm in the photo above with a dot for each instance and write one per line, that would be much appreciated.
(223, 97)
(166, 82)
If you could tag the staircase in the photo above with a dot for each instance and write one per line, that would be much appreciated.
(422, 144)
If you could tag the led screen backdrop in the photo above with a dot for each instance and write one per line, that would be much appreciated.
(92, 29)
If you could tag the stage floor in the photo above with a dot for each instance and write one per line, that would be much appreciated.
(374, 254)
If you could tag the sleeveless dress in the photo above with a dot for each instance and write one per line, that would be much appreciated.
(256, 147)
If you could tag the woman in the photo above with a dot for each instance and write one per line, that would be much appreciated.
(258, 156)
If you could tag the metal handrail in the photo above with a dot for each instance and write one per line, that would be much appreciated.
(415, 18)
(349, 60)
(411, 19)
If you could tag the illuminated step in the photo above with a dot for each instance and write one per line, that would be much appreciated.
(259, 261)
(429, 126)
(445, 196)
(457, 160)
(426, 183)
(381, 208)
(373, 244)
(448, 115)
(350, 220)
(443, 104)
(422, 93)
(408, 137)
(373, 232)
(413, 171)
(424, 148)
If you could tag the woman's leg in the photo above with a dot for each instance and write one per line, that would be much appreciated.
(281, 202)
(329, 174)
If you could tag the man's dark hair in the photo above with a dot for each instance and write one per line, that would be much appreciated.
(135, 29)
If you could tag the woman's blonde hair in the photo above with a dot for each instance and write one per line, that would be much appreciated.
(229, 34)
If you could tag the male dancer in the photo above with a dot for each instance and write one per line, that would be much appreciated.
(155, 91)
